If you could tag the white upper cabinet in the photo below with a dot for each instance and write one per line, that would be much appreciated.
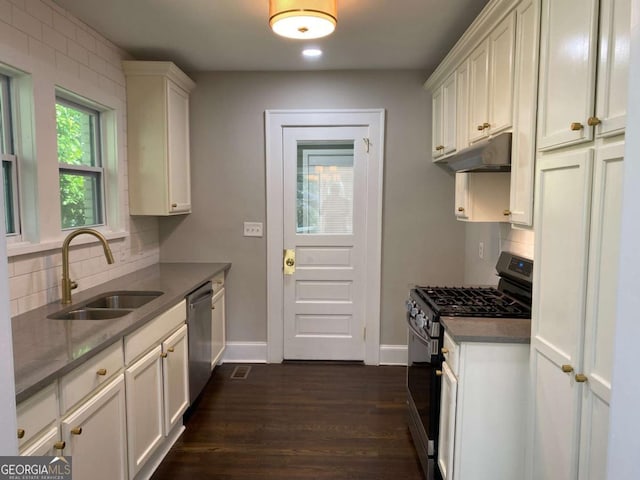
(491, 69)
(462, 105)
(613, 67)
(567, 71)
(524, 111)
(158, 138)
(444, 118)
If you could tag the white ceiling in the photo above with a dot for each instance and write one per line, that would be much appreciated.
(206, 35)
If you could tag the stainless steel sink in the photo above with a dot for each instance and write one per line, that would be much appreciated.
(109, 305)
(123, 299)
(90, 314)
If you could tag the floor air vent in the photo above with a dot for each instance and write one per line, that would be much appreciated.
(240, 372)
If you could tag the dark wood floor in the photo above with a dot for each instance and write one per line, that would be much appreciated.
(298, 421)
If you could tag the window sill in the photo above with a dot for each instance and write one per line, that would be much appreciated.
(26, 248)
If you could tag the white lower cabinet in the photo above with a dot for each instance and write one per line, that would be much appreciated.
(482, 407)
(144, 408)
(218, 328)
(44, 445)
(96, 437)
(157, 386)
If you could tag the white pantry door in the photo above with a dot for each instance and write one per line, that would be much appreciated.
(324, 221)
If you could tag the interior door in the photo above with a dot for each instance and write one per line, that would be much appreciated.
(324, 224)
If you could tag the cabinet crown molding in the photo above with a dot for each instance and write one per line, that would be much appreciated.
(492, 14)
(153, 68)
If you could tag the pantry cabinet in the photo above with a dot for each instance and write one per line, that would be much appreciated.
(158, 138)
(575, 278)
(482, 391)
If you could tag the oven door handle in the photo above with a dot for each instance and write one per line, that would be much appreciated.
(415, 332)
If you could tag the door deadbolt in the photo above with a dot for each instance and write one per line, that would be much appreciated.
(289, 262)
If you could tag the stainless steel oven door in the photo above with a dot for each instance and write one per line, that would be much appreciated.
(423, 385)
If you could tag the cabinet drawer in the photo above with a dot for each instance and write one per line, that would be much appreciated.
(87, 377)
(151, 334)
(37, 413)
(452, 357)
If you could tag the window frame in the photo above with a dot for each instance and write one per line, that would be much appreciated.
(8, 152)
(99, 172)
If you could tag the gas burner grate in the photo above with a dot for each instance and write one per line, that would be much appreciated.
(473, 302)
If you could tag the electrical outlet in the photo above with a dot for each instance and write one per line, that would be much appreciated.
(252, 229)
(481, 249)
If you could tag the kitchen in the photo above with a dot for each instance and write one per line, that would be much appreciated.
(240, 98)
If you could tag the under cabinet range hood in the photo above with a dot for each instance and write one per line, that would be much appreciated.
(491, 155)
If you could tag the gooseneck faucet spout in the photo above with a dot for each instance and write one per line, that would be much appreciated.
(67, 283)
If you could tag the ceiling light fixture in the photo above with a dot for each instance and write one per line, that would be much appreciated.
(312, 52)
(303, 19)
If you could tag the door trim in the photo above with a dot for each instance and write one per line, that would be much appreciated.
(275, 121)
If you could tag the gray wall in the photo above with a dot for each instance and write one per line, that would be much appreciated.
(422, 242)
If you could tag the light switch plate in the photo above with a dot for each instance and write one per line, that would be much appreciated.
(252, 229)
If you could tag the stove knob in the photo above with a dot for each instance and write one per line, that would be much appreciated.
(420, 320)
(414, 311)
(409, 305)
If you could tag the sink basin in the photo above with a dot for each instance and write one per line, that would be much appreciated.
(90, 314)
(123, 299)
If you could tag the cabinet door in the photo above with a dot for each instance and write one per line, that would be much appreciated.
(44, 445)
(144, 408)
(462, 196)
(218, 327)
(462, 106)
(95, 435)
(175, 368)
(178, 149)
(613, 66)
(563, 188)
(446, 438)
(501, 69)
(437, 147)
(479, 92)
(449, 114)
(567, 71)
(524, 135)
(601, 310)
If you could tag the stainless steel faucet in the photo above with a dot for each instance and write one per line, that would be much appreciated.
(67, 283)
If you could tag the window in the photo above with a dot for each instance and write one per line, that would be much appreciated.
(80, 164)
(9, 163)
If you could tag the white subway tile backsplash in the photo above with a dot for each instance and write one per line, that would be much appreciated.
(27, 23)
(5, 11)
(41, 11)
(79, 53)
(52, 36)
(54, 39)
(67, 64)
(63, 25)
(86, 39)
(13, 38)
(42, 52)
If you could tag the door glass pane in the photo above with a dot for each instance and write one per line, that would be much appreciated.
(325, 188)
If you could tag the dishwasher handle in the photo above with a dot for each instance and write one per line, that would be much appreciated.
(202, 298)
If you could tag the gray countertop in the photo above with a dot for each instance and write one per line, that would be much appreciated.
(488, 330)
(45, 349)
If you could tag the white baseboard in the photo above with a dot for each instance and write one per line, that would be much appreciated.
(245, 352)
(393, 354)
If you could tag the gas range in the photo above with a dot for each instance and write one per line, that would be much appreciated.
(510, 299)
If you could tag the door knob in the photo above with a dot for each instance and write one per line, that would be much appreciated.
(289, 262)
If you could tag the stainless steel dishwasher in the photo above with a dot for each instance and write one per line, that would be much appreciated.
(199, 328)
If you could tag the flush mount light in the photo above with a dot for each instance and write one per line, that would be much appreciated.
(303, 19)
(312, 52)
